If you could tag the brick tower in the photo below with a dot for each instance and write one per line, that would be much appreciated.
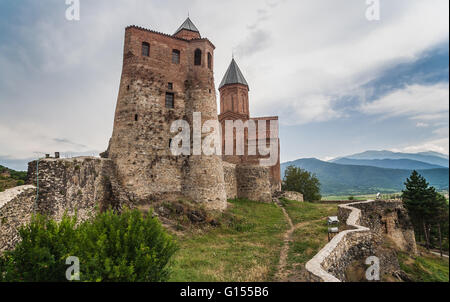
(165, 78)
(234, 105)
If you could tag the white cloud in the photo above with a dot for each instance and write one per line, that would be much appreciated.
(61, 78)
(428, 105)
(413, 101)
(439, 145)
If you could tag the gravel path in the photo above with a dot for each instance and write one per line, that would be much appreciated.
(9, 194)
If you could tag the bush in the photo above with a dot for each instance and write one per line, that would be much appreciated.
(302, 181)
(117, 248)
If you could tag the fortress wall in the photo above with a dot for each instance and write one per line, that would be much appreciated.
(330, 263)
(16, 207)
(81, 185)
(391, 219)
(230, 180)
(362, 241)
(253, 183)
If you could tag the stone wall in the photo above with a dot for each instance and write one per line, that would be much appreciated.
(230, 180)
(369, 223)
(16, 207)
(330, 263)
(294, 196)
(390, 219)
(81, 185)
(253, 183)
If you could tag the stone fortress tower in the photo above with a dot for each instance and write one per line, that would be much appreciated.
(165, 78)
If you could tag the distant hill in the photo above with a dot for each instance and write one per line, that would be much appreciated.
(338, 179)
(10, 178)
(432, 158)
(15, 164)
(406, 164)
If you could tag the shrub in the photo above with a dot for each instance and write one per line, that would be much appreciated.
(117, 248)
(302, 181)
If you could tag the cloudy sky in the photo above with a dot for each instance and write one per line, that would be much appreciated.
(341, 84)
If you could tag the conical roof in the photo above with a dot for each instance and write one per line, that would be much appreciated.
(188, 25)
(233, 76)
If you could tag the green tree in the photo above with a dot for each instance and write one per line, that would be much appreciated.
(302, 181)
(119, 248)
(425, 206)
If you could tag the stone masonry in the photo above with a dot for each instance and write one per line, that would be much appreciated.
(16, 208)
(165, 78)
(367, 227)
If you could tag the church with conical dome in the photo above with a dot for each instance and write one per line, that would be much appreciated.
(234, 106)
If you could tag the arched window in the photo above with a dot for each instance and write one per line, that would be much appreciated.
(209, 60)
(198, 57)
(136, 117)
(176, 56)
(145, 49)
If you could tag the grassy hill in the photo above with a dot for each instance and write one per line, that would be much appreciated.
(337, 179)
(246, 246)
(10, 178)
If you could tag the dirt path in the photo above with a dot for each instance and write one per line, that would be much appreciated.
(283, 273)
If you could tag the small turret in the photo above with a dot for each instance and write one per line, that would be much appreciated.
(187, 31)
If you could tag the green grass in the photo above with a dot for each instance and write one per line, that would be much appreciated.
(309, 238)
(305, 211)
(307, 241)
(246, 247)
(425, 268)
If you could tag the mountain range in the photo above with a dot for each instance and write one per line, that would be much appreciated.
(375, 171)
(429, 157)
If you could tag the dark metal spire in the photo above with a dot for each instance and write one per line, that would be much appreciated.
(188, 25)
(233, 75)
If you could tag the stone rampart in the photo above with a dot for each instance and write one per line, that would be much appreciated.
(16, 208)
(368, 223)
